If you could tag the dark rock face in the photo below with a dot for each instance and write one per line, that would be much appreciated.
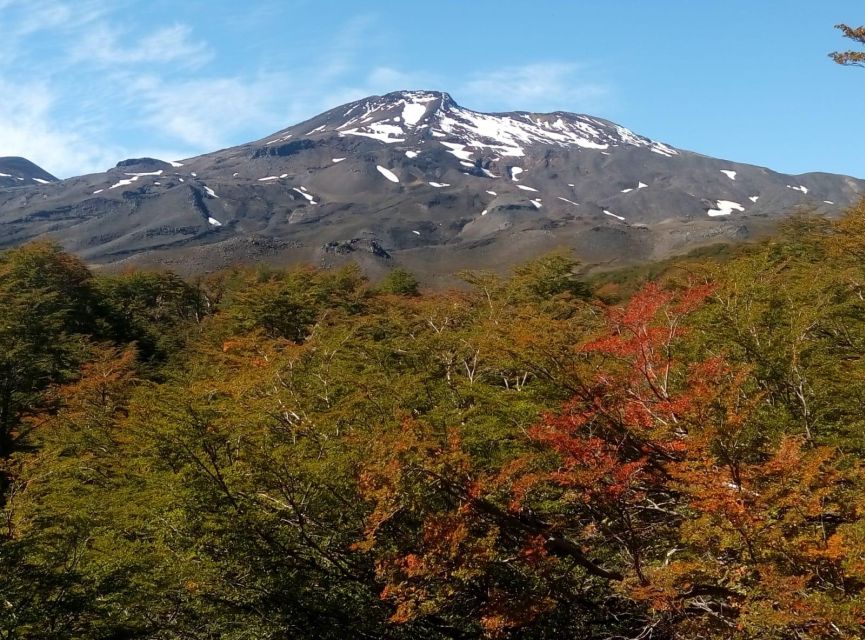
(142, 164)
(412, 178)
(284, 150)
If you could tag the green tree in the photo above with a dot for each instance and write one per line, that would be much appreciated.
(401, 282)
(46, 308)
(68, 569)
(154, 310)
(287, 304)
(552, 275)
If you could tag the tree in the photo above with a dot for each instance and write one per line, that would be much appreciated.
(287, 304)
(153, 310)
(650, 505)
(793, 310)
(66, 570)
(857, 58)
(511, 460)
(543, 540)
(401, 282)
(551, 275)
(46, 308)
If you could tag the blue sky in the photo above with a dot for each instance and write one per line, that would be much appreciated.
(85, 83)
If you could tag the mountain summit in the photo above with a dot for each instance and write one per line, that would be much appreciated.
(20, 172)
(418, 115)
(413, 178)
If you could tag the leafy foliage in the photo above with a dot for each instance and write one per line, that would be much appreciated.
(401, 282)
(46, 308)
(270, 454)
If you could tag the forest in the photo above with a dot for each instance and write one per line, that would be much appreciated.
(672, 452)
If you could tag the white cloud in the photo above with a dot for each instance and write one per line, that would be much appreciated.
(26, 17)
(73, 118)
(23, 19)
(539, 86)
(109, 87)
(101, 45)
(340, 56)
(205, 114)
(29, 128)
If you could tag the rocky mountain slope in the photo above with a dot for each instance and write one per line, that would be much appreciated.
(20, 172)
(413, 178)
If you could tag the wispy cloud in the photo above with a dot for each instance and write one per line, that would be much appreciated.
(23, 21)
(102, 45)
(204, 114)
(542, 86)
(539, 86)
(109, 87)
(59, 63)
(30, 127)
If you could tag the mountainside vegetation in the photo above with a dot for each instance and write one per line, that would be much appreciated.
(262, 453)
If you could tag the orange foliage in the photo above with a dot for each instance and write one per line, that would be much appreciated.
(648, 480)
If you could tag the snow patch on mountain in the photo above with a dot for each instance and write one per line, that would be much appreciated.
(414, 111)
(383, 132)
(459, 150)
(393, 117)
(304, 194)
(725, 208)
(387, 173)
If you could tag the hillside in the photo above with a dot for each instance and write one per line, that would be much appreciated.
(414, 179)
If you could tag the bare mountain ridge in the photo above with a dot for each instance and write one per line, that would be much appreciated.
(20, 172)
(413, 178)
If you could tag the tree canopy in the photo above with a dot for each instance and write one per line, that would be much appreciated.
(302, 453)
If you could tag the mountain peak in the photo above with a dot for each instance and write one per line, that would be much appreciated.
(414, 178)
(407, 117)
(418, 95)
(408, 109)
(19, 172)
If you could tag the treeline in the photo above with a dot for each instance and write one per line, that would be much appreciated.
(304, 454)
